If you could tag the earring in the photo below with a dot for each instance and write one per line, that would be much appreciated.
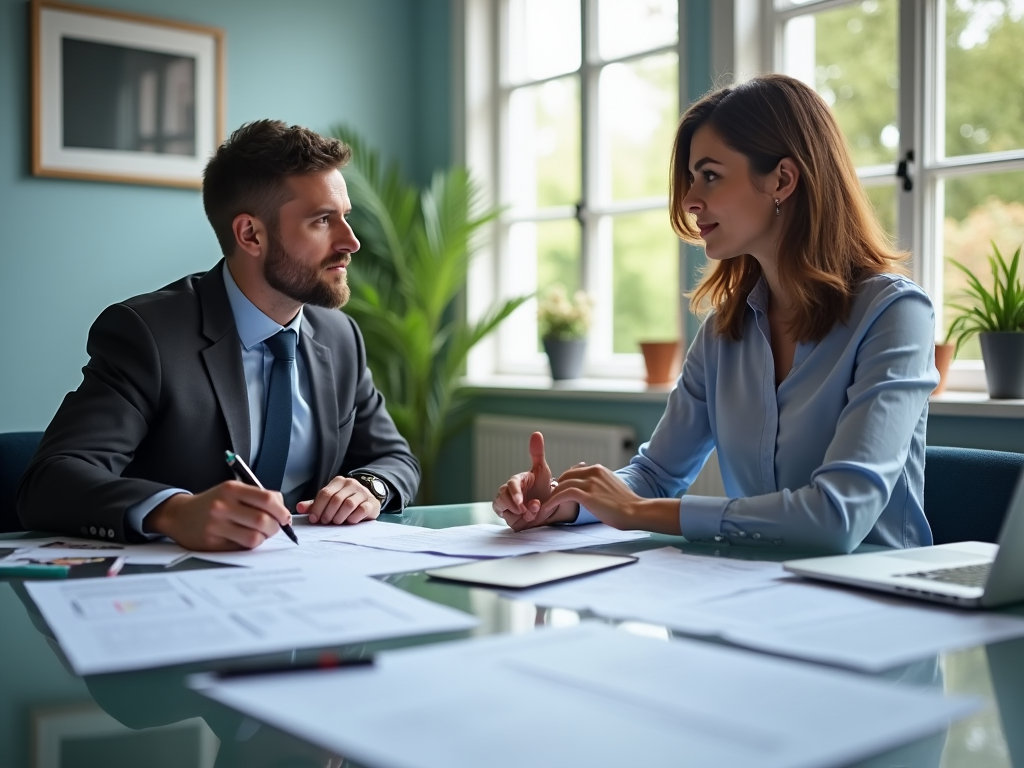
(777, 214)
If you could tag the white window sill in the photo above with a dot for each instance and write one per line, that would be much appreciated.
(949, 403)
(953, 403)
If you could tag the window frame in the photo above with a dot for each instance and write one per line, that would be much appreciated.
(485, 117)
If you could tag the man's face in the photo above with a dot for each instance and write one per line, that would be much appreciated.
(310, 249)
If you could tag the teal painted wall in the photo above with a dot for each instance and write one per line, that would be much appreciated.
(70, 248)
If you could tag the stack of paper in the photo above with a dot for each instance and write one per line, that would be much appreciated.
(758, 606)
(590, 696)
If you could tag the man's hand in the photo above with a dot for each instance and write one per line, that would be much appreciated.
(519, 501)
(343, 500)
(229, 516)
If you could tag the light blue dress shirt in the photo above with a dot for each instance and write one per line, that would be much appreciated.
(831, 458)
(254, 327)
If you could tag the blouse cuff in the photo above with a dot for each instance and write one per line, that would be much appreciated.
(700, 517)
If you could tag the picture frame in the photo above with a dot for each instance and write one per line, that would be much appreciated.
(123, 97)
(83, 734)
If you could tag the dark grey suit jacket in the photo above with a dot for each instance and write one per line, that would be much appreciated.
(164, 395)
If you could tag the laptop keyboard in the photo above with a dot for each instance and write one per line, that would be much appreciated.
(965, 575)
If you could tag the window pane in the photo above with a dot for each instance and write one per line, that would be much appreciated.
(639, 110)
(984, 76)
(979, 209)
(543, 38)
(849, 56)
(632, 26)
(645, 276)
(883, 200)
(543, 159)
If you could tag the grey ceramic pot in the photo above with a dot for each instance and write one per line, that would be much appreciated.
(1004, 364)
(565, 357)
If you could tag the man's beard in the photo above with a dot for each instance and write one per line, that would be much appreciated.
(301, 283)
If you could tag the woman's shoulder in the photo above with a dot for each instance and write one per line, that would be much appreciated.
(889, 294)
(888, 284)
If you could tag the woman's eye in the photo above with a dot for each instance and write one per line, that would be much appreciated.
(710, 176)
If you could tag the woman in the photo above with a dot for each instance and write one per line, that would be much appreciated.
(810, 376)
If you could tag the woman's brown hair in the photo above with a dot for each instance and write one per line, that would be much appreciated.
(830, 240)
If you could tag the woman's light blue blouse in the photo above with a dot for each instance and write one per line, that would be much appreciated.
(831, 458)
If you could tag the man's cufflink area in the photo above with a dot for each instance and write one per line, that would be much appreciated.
(375, 485)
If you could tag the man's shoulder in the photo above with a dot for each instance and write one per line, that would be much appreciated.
(181, 292)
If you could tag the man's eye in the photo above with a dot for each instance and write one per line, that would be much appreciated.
(323, 219)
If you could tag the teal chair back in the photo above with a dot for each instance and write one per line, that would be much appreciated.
(16, 451)
(967, 492)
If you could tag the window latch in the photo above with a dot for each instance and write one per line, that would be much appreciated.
(903, 170)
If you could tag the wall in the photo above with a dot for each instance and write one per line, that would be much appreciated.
(70, 248)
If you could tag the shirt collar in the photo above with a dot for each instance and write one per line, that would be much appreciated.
(757, 299)
(254, 327)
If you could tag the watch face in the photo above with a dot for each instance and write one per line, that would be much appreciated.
(378, 487)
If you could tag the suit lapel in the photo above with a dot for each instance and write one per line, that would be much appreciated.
(323, 383)
(223, 359)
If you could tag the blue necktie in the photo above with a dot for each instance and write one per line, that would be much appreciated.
(277, 426)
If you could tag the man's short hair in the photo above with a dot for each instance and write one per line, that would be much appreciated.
(248, 172)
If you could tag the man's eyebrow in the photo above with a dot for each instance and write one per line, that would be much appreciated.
(326, 210)
(704, 161)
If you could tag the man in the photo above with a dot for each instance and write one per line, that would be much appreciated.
(251, 356)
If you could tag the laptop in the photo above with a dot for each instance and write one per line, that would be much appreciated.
(970, 574)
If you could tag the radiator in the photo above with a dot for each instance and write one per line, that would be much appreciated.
(501, 448)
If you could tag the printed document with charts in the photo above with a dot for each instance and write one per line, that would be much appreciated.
(154, 620)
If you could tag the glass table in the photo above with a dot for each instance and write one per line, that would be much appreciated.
(50, 717)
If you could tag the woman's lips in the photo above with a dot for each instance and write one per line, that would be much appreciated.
(705, 228)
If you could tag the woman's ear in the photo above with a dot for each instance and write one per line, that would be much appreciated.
(785, 177)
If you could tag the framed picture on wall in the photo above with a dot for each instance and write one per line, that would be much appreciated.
(122, 97)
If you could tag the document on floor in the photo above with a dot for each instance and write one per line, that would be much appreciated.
(154, 620)
(483, 540)
(766, 609)
(603, 696)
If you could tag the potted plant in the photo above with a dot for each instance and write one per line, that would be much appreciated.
(413, 263)
(997, 316)
(564, 323)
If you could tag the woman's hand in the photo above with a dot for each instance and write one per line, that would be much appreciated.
(612, 501)
(519, 501)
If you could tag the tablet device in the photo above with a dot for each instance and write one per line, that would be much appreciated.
(530, 570)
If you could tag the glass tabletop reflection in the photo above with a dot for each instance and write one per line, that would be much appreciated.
(51, 717)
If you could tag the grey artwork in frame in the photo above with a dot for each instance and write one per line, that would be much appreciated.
(123, 97)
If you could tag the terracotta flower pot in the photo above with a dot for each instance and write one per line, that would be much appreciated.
(943, 358)
(662, 359)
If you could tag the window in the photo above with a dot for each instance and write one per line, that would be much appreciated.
(587, 102)
(937, 85)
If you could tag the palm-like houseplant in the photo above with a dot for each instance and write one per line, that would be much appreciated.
(413, 264)
(997, 316)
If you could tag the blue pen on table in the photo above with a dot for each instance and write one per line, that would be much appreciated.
(33, 571)
(245, 475)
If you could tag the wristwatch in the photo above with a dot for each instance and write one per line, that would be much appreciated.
(374, 485)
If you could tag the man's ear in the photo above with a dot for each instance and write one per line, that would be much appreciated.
(785, 177)
(250, 234)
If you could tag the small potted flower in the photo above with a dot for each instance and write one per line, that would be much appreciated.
(564, 323)
(996, 314)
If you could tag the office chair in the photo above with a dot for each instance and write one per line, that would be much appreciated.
(967, 491)
(16, 450)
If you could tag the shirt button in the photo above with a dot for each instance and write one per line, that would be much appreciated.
(103, 532)
(718, 538)
(92, 529)
(757, 536)
(110, 533)
(741, 534)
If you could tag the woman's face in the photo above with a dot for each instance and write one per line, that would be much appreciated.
(734, 214)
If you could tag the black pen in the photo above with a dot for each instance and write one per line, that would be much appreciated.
(326, 661)
(245, 475)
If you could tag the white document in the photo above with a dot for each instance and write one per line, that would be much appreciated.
(483, 540)
(362, 560)
(153, 620)
(591, 696)
(152, 553)
(758, 606)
